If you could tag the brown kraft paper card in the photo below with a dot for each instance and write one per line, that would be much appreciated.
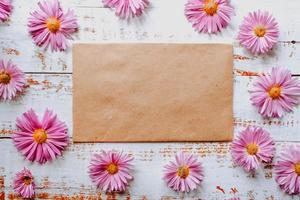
(152, 92)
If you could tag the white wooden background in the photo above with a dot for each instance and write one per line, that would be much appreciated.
(49, 78)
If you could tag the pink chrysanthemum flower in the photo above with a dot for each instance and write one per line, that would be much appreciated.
(252, 146)
(287, 170)
(24, 184)
(5, 9)
(40, 141)
(185, 174)
(275, 93)
(208, 16)
(51, 26)
(259, 32)
(127, 8)
(12, 80)
(111, 170)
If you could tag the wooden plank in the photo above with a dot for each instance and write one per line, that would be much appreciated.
(51, 91)
(55, 91)
(35, 60)
(223, 179)
(98, 24)
(284, 129)
(285, 54)
(164, 22)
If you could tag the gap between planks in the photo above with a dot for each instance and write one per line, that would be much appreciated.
(6, 138)
(236, 72)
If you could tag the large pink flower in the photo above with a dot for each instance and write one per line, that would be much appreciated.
(111, 170)
(287, 170)
(40, 141)
(51, 26)
(185, 174)
(252, 146)
(127, 8)
(12, 80)
(5, 9)
(259, 32)
(24, 184)
(275, 93)
(208, 16)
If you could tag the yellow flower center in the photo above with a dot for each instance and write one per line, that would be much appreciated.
(210, 7)
(252, 149)
(40, 136)
(27, 180)
(297, 168)
(53, 24)
(4, 77)
(183, 172)
(260, 31)
(112, 168)
(274, 92)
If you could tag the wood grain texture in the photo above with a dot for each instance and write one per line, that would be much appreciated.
(54, 91)
(68, 176)
(49, 77)
(100, 24)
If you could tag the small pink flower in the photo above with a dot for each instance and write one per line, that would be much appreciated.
(111, 170)
(208, 16)
(127, 8)
(185, 174)
(12, 80)
(51, 26)
(5, 9)
(287, 170)
(275, 93)
(252, 146)
(259, 32)
(24, 184)
(40, 141)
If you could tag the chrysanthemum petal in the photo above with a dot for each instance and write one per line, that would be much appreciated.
(55, 141)
(286, 176)
(16, 81)
(42, 36)
(208, 23)
(5, 9)
(24, 190)
(258, 137)
(288, 96)
(119, 180)
(258, 44)
(193, 178)
(126, 9)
